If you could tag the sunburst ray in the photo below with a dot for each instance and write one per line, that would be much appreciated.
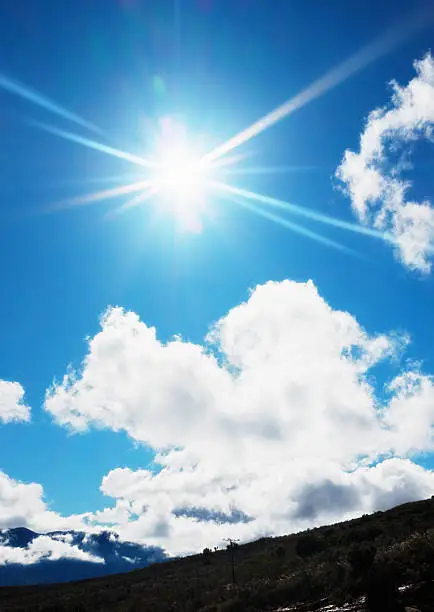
(290, 225)
(93, 144)
(262, 170)
(302, 211)
(19, 89)
(99, 196)
(138, 200)
(337, 75)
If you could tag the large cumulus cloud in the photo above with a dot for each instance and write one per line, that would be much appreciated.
(271, 425)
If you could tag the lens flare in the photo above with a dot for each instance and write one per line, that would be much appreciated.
(182, 182)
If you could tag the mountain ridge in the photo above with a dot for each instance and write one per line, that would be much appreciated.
(28, 557)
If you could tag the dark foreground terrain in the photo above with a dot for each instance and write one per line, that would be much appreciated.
(382, 562)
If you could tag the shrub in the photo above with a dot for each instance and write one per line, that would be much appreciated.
(381, 590)
(280, 552)
(206, 553)
(309, 545)
(361, 559)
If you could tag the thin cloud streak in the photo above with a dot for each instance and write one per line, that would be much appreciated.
(373, 51)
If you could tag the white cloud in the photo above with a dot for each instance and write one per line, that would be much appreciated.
(12, 406)
(274, 420)
(44, 548)
(296, 497)
(23, 505)
(62, 537)
(19, 502)
(378, 192)
(410, 413)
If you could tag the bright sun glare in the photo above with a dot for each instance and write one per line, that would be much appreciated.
(180, 177)
(182, 183)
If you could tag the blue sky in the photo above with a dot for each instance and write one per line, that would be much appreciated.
(217, 67)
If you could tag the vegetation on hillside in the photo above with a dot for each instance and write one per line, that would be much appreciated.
(373, 556)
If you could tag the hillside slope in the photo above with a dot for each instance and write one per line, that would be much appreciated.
(339, 562)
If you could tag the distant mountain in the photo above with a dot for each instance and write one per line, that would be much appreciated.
(27, 557)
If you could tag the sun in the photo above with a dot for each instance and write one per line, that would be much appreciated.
(180, 177)
(179, 174)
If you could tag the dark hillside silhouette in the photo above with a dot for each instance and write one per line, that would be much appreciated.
(384, 561)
